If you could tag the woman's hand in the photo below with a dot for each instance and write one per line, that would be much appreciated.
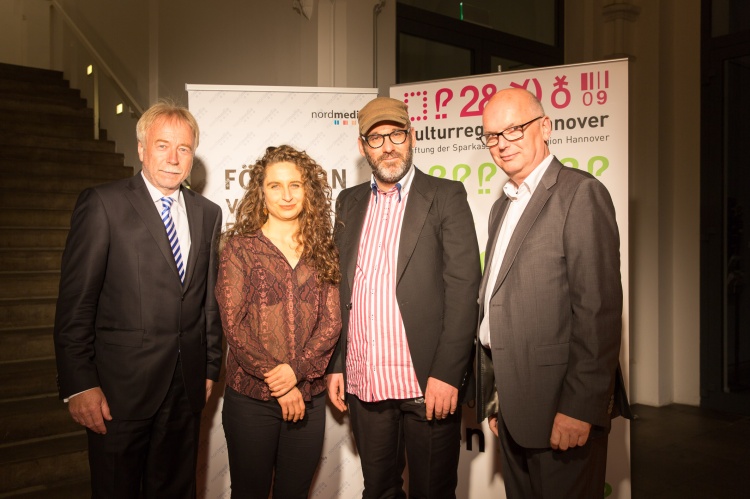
(292, 405)
(280, 379)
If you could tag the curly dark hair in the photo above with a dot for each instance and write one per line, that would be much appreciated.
(315, 223)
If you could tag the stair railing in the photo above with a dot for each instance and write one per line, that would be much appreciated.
(136, 109)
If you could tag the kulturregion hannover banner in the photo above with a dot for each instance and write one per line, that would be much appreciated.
(588, 106)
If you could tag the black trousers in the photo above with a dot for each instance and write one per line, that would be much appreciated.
(152, 458)
(550, 474)
(263, 448)
(389, 433)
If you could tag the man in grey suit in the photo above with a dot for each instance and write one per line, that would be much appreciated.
(137, 329)
(550, 312)
(410, 273)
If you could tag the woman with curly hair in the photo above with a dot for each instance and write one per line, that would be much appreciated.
(279, 302)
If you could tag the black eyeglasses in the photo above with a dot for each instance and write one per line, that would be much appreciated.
(511, 134)
(377, 139)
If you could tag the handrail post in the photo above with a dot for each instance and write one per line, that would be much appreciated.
(95, 72)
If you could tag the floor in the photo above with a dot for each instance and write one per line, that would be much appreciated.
(680, 451)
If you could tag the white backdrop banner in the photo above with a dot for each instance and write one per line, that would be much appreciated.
(588, 106)
(237, 123)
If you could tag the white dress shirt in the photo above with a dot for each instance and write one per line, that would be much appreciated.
(519, 198)
(179, 216)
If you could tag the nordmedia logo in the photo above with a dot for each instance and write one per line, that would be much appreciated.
(339, 118)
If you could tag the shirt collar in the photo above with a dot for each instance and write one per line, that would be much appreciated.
(156, 194)
(402, 186)
(530, 184)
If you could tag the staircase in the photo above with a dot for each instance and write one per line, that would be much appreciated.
(47, 157)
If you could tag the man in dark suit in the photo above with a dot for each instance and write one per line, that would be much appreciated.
(410, 265)
(550, 312)
(137, 330)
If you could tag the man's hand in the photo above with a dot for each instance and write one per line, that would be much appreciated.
(440, 398)
(209, 387)
(492, 423)
(292, 405)
(568, 432)
(90, 409)
(336, 390)
(280, 379)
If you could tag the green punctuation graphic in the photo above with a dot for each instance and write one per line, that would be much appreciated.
(486, 172)
(601, 161)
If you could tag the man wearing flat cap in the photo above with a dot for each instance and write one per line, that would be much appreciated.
(410, 275)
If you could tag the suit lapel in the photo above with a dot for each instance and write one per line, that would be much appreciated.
(530, 214)
(195, 223)
(354, 220)
(496, 222)
(418, 206)
(139, 197)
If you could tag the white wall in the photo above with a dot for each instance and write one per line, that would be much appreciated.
(681, 94)
(662, 39)
(24, 33)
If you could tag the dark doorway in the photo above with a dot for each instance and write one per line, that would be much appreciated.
(725, 206)
(440, 39)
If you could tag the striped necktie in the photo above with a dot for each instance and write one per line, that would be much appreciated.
(166, 217)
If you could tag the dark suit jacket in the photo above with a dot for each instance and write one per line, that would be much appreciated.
(438, 270)
(555, 312)
(122, 314)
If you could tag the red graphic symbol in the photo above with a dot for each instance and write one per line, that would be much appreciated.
(442, 102)
(525, 85)
(594, 80)
(413, 112)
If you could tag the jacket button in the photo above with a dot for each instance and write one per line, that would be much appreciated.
(348, 306)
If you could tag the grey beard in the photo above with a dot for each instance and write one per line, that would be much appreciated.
(388, 176)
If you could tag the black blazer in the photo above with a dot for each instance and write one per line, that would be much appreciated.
(122, 314)
(438, 275)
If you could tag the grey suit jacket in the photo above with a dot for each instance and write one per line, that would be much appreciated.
(122, 314)
(555, 312)
(438, 270)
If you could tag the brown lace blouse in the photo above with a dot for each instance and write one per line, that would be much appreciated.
(274, 314)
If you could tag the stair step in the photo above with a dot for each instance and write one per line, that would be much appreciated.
(49, 201)
(25, 153)
(30, 259)
(29, 284)
(68, 99)
(27, 312)
(27, 74)
(22, 168)
(47, 461)
(33, 418)
(51, 184)
(52, 123)
(28, 378)
(64, 143)
(66, 489)
(26, 343)
(47, 108)
(20, 217)
(32, 88)
(33, 237)
(42, 128)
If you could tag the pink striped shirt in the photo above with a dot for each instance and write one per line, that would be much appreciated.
(378, 361)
